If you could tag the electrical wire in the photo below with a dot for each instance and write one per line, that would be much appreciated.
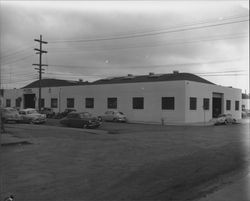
(149, 33)
(16, 52)
(17, 60)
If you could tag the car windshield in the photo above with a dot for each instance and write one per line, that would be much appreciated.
(85, 114)
(32, 112)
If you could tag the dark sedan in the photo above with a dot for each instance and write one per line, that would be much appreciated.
(80, 120)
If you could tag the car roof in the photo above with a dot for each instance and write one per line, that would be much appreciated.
(28, 109)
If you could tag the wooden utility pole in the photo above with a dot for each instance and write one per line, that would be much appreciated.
(40, 70)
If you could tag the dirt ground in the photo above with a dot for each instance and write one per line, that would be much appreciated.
(132, 162)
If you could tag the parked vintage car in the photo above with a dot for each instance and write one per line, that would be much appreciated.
(80, 120)
(10, 114)
(113, 115)
(30, 115)
(64, 113)
(48, 112)
(224, 119)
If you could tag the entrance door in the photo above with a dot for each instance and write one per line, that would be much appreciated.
(29, 101)
(217, 103)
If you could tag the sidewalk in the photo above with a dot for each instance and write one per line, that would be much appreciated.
(8, 139)
(238, 191)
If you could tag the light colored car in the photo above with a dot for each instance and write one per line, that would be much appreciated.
(224, 119)
(30, 115)
(113, 115)
(10, 114)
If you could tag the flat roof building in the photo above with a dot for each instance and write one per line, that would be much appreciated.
(153, 98)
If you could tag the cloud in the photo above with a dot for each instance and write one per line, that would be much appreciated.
(22, 22)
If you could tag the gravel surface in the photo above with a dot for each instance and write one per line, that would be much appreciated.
(130, 162)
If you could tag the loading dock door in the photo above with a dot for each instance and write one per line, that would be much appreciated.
(29, 101)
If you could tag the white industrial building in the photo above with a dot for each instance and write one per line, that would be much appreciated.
(153, 98)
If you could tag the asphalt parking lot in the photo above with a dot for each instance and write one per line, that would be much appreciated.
(127, 162)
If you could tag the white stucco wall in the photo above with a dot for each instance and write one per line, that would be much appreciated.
(202, 90)
(152, 93)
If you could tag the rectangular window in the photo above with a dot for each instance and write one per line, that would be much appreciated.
(228, 105)
(167, 103)
(112, 103)
(18, 102)
(193, 103)
(53, 103)
(89, 102)
(206, 103)
(70, 102)
(237, 105)
(138, 103)
(8, 102)
(42, 102)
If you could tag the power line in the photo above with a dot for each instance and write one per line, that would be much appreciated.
(150, 66)
(143, 46)
(17, 60)
(16, 52)
(149, 34)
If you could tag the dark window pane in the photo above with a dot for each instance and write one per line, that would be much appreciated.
(89, 102)
(112, 103)
(192, 103)
(228, 105)
(206, 103)
(42, 102)
(53, 103)
(138, 103)
(8, 102)
(237, 105)
(70, 102)
(18, 102)
(167, 103)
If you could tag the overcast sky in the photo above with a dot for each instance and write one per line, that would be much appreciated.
(93, 40)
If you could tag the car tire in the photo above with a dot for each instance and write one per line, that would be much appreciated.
(84, 126)
(115, 120)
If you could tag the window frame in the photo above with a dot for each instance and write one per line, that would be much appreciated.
(89, 105)
(18, 102)
(8, 102)
(138, 103)
(206, 103)
(52, 105)
(68, 103)
(112, 105)
(168, 103)
(228, 104)
(194, 101)
(237, 105)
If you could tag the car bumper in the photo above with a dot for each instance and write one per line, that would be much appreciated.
(38, 121)
(12, 119)
(94, 124)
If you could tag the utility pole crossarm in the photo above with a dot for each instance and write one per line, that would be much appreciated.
(39, 64)
(42, 51)
(40, 41)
